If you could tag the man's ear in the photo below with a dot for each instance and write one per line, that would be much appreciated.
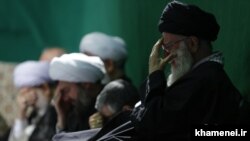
(193, 44)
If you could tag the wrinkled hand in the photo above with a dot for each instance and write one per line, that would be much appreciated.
(155, 60)
(62, 109)
(96, 120)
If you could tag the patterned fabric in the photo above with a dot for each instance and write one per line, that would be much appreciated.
(7, 92)
(215, 57)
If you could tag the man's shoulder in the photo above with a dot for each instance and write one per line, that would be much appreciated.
(205, 73)
(211, 74)
(208, 69)
(209, 66)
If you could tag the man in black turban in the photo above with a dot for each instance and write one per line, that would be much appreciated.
(197, 91)
(188, 20)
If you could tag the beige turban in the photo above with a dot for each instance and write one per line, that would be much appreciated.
(77, 67)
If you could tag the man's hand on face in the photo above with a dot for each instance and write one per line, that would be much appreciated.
(22, 105)
(96, 120)
(26, 98)
(62, 107)
(155, 60)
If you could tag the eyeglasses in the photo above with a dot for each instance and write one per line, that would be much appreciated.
(167, 46)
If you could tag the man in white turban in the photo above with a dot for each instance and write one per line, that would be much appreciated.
(111, 49)
(36, 118)
(79, 83)
(115, 97)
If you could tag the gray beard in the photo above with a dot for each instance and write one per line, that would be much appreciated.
(84, 101)
(180, 65)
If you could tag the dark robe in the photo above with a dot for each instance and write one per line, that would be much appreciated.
(205, 95)
(116, 121)
(45, 127)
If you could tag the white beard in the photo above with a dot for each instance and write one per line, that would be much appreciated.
(181, 64)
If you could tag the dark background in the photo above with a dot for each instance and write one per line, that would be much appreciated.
(28, 26)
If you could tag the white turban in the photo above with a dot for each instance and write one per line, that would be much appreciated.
(77, 67)
(104, 46)
(31, 73)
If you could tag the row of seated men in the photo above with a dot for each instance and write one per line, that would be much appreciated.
(84, 89)
(72, 91)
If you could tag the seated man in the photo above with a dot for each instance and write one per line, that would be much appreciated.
(36, 117)
(116, 96)
(198, 90)
(79, 83)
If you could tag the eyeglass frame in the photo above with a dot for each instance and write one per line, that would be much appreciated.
(165, 47)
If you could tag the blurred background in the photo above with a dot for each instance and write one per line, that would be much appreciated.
(29, 26)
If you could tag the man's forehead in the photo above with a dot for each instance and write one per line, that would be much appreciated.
(67, 83)
(25, 90)
(170, 37)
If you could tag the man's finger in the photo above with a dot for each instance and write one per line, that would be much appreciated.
(167, 59)
(156, 47)
(57, 97)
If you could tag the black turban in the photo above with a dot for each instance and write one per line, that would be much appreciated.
(188, 20)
